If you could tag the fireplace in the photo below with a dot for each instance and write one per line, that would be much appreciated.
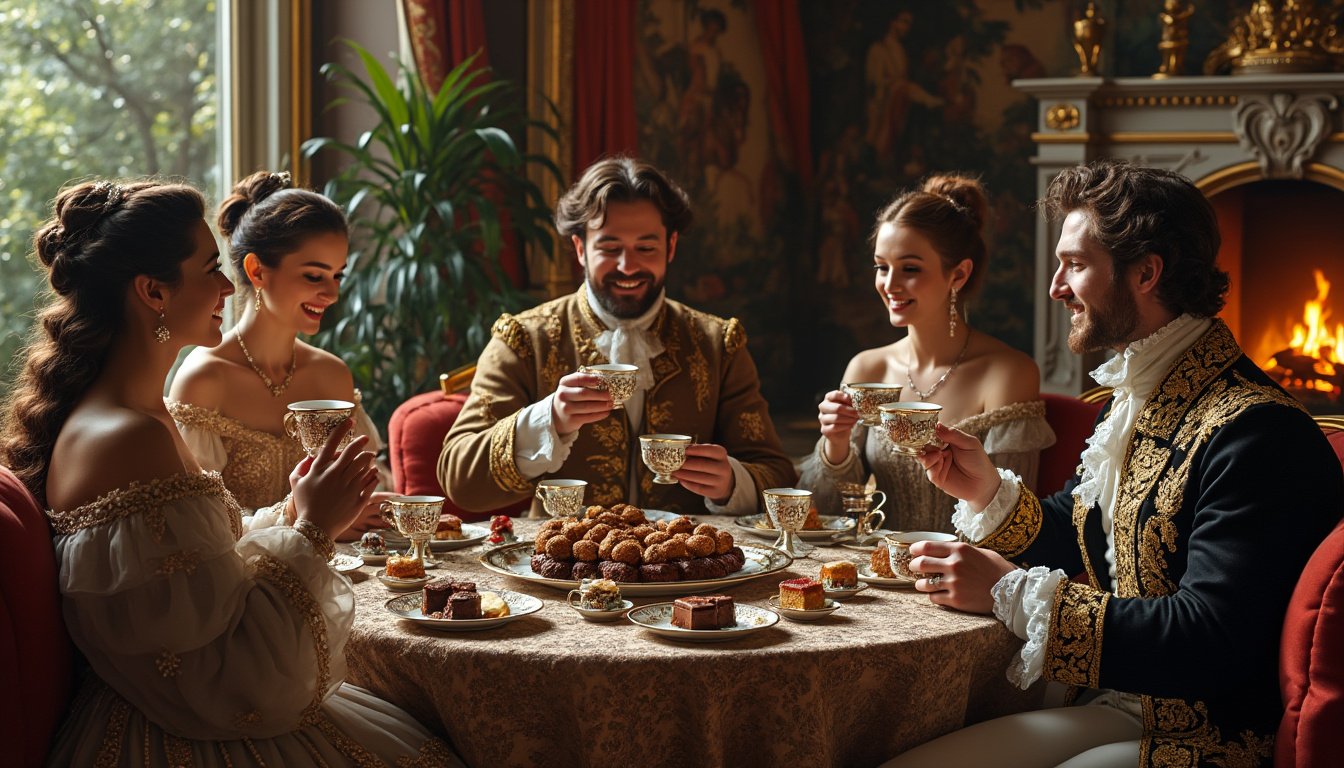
(1269, 152)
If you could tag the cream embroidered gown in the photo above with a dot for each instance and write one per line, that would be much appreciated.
(1013, 435)
(210, 649)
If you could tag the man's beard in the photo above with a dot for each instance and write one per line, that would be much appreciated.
(1106, 324)
(622, 306)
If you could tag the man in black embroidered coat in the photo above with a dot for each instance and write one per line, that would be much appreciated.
(1203, 492)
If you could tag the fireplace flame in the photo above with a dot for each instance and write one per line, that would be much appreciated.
(1312, 357)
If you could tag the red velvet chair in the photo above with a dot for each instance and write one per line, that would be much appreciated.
(1311, 653)
(36, 656)
(1072, 419)
(415, 436)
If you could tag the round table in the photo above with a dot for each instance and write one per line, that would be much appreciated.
(885, 672)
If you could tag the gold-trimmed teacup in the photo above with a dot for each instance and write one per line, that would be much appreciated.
(864, 507)
(868, 395)
(898, 550)
(311, 421)
(416, 518)
(910, 426)
(617, 379)
(787, 509)
(664, 454)
(560, 497)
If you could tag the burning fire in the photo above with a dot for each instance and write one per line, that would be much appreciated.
(1314, 358)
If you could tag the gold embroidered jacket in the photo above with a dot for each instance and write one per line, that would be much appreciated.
(1227, 488)
(705, 384)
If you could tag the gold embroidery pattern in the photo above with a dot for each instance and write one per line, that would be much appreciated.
(223, 755)
(508, 330)
(258, 464)
(432, 754)
(753, 428)
(700, 376)
(252, 750)
(734, 337)
(246, 719)
(503, 470)
(348, 746)
(981, 422)
(177, 751)
(658, 415)
(1178, 734)
(1073, 650)
(146, 498)
(554, 367)
(1159, 538)
(609, 465)
(1015, 534)
(1145, 462)
(1080, 513)
(168, 663)
(279, 574)
(485, 404)
(109, 752)
(179, 561)
(1209, 356)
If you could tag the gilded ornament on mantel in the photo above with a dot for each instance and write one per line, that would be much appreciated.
(1088, 34)
(1279, 37)
(1062, 117)
(1175, 17)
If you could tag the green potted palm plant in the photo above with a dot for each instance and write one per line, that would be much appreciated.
(436, 191)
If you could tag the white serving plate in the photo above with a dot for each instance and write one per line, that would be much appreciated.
(657, 618)
(342, 562)
(601, 614)
(797, 614)
(408, 607)
(759, 525)
(867, 576)
(401, 585)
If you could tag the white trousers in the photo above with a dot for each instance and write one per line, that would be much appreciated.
(1081, 736)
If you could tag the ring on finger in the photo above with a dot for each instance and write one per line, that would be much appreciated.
(935, 580)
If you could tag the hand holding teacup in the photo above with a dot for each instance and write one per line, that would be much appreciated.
(957, 574)
(960, 467)
(707, 472)
(579, 400)
(333, 486)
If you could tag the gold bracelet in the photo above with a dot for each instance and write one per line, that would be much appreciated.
(321, 542)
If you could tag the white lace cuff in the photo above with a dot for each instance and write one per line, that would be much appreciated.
(976, 526)
(1023, 601)
(743, 500)
(265, 517)
(537, 448)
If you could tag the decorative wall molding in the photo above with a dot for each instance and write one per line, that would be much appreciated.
(1283, 130)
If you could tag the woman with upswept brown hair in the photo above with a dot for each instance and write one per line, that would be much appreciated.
(204, 646)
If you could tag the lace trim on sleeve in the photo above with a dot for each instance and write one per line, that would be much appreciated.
(1023, 601)
(279, 574)
(978, 526)
(148, 498)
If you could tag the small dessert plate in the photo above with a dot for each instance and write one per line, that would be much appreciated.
(401, 585)
(471, 534)
(657, 618)
(343, 563)
(371, 559)
(408, 607)
(867, 576)
(603, 614)
(844, 594)
(798, 614)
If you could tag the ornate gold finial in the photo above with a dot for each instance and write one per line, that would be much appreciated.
(1279, 36)
(1175, 17)
(1088, 33)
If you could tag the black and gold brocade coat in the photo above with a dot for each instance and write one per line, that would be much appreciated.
(1227, 488)
(705, 385)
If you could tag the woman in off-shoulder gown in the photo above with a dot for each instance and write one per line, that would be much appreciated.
(205, 645)
(928, 255)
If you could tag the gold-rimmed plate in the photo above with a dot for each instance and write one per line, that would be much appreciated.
(408, 607)
(401, 585)
(471, 536)
(844, 594)
(759, 525)
(828, 607)
(867, 576)
(516, 560)
(657, 618)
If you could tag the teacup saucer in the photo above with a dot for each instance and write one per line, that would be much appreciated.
(371, 559)
(795, 614)
(392, 582)
(599, 614)
(845, 594)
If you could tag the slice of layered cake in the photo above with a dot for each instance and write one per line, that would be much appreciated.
(801, 595)
(839, 574)
(713, 612)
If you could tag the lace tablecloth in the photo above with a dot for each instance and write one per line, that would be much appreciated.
(887, 671)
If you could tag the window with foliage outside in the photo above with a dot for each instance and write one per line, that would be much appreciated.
(95, 88)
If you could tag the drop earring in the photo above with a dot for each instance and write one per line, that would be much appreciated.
(161, 333)
(256, 305)
(952, 316)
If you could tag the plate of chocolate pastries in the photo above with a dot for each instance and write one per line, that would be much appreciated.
(712, 619)
(517, 605)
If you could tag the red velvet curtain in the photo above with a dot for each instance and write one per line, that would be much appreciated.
(789, 98)
(604, 84)
(443, 33)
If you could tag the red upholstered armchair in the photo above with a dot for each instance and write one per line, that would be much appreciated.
(415, 436)
(1072, 419)
(36, 657)
(1311, 652)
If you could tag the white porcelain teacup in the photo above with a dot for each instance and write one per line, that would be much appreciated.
(898, 550)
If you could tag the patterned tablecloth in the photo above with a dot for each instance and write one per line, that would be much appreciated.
(887, 671)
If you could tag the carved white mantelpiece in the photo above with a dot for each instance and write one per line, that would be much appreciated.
(1220, 132)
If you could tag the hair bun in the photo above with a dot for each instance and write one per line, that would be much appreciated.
(965, 192)
(248, 193)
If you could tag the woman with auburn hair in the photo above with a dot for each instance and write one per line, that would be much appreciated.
(205, 646)
(289, 247)
(928, 256)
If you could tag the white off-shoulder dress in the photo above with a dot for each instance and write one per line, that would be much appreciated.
(208, 647)
(1013, 436)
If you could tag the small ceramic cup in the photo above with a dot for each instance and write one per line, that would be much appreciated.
(664, 454)
(312, 421)
(867, 396)
(898, 550)
(577, 598)
(561, 498)
(617, 379)
(910, 426)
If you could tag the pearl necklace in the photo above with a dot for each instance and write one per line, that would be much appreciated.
(276, 389)
(939, 382)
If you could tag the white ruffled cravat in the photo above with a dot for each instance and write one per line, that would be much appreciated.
(629, 340)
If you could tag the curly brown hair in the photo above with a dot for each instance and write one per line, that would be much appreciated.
(1136, 211)
(950, 210)
(101, 236)
(266, 215)
(620, 180)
